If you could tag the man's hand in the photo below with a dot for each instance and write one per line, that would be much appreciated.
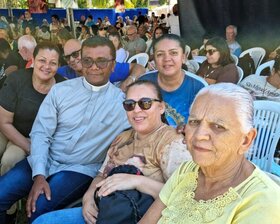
(40, 186)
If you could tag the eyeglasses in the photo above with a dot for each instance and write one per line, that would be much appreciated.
(103, 28)
(130, 34)
(211, 51)
(143, 103)
(100, 63)
(74, 54)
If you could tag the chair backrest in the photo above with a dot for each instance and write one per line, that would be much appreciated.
(268, 64)
(187, 50)
(188, 74)
(240, 73)
(127, 56)
(257, 54)
(267, 123)
(200, 79)
(275, 178)
(199, 59)
(235, 58)
(194, 64)
(141, 59)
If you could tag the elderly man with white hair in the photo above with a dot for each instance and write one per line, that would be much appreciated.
(234, 46)
(24, 57)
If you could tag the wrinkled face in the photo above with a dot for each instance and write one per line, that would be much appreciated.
(212, 54)
(230, 35)
(169, 57)
(158, 33)
(144, 121)
(72, 51)
(46, 64)
(115, 41)
(213, 132)
(95, 75)
(131, 34)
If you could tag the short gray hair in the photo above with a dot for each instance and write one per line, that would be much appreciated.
(242, 99)
(27, 41)
(234, 29)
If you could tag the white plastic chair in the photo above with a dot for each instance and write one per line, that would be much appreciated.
(141, 59)
(199, 59)
(268, 64)
(200, 79)
(240, 73)
(187, 50)
(194, 64)
(235, 58)
(257, 54)
(267, 123)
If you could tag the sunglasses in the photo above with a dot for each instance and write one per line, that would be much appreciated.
(100, 63)
(103, 28)
(211, 51)
(74, 54)
(143, 103)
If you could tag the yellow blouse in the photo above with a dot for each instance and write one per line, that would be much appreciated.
(255, 200)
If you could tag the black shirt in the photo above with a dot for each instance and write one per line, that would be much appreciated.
(19, 97)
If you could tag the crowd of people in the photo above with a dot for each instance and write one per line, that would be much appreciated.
(78, 121)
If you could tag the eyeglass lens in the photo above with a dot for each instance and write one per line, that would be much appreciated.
(74, 54)
(143, 103)
(210, 51)
(101, 63)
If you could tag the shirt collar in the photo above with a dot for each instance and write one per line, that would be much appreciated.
(94, 88)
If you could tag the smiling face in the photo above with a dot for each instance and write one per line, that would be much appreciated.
(70, 47)
(213, 132)
(144, 122)
(94, 75)
(169, 57)
(46, 64)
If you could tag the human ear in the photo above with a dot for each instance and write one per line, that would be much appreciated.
(247, 141)
(162, 107)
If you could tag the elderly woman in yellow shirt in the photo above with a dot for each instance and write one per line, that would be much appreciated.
(220, 185)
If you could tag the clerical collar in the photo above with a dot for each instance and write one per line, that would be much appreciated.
(94, 88)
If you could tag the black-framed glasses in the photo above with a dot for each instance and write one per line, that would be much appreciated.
(74, 54)
(100, 63)
(103, 28)
(211, 51)
(143, 103)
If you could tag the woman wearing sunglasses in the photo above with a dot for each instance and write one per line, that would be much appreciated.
(155, 148)
(219, 66)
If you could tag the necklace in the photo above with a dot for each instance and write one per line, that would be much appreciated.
(208, 73)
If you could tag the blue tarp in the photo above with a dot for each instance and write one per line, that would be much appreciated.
(77, 13)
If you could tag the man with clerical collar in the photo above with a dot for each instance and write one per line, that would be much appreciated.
(75, 124)
(122, 72)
